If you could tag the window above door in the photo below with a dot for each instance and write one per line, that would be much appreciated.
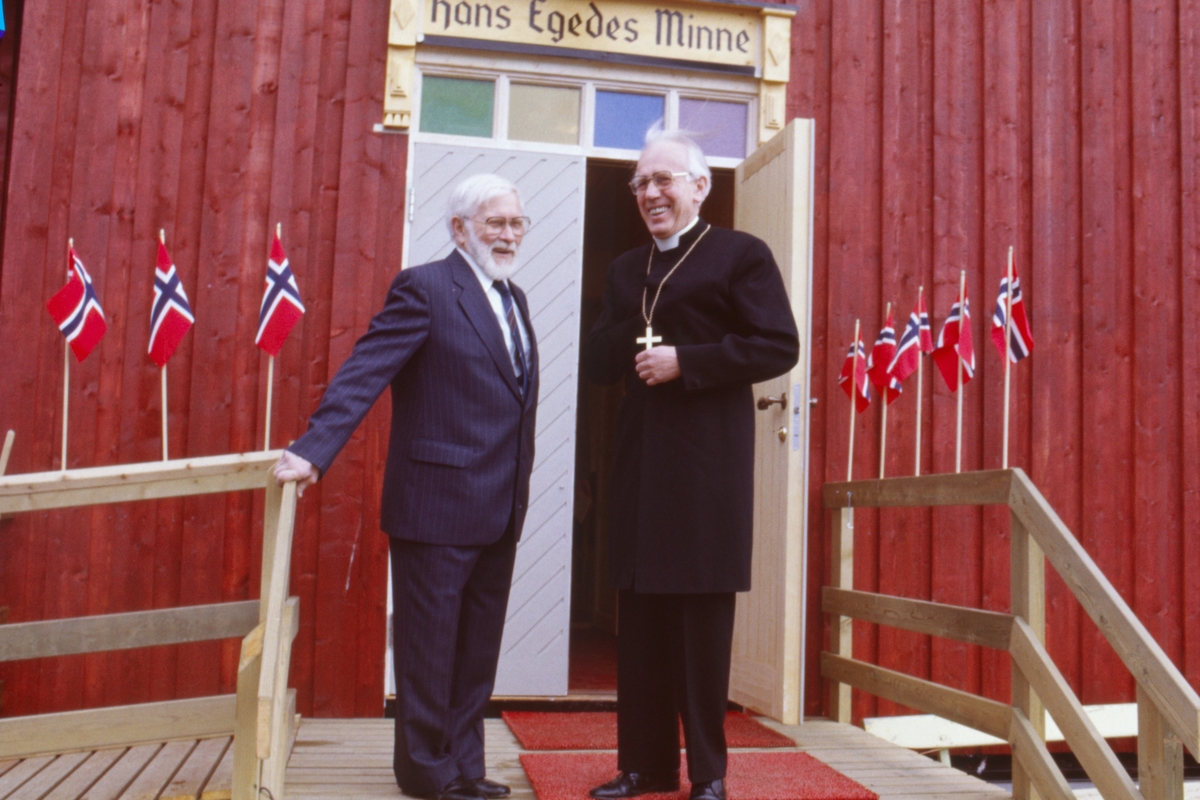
(602, 111)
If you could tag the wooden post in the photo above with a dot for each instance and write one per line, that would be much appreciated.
(842, 577)
(1028, 588)
(245, 760)
(1160, 753)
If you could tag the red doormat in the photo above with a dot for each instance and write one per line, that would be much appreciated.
(752, 776)
(597, 730)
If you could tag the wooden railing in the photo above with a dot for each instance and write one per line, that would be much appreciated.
(1168, 707)
(261, 716)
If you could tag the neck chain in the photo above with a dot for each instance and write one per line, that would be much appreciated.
(649, 317)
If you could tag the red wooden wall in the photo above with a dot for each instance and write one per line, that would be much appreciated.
(949, 130)
(212, 119)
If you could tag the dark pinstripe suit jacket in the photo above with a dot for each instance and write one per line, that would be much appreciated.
(461, 445)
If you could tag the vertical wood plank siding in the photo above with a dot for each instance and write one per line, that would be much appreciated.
(211, 119)
(1069, 130)
(946, 132)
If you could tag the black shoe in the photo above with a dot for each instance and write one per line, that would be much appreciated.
(491, 788)
(712, 790)
(631, 784)
(458, 789)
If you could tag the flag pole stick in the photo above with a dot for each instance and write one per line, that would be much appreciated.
(853, 401)
(162, 239)
(270, 385)
(920, 400)
(1007, 351)
(6, 450)
(962, 293)
(883, 420)
(66, 375)
(271, 371)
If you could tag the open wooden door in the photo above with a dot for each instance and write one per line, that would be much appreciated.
(773, 201)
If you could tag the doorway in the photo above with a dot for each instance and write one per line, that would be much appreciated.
(612, 225)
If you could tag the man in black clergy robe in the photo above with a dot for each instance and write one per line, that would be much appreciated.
(681, 497)
(455, 345)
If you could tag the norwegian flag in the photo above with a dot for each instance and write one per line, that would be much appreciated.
(1022, 337)
(281, 305)
(76, 309)
(917, 339)
(171, 316)
(882, 355)
(954, 346)
(857, 367)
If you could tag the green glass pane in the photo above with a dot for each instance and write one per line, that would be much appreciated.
(543, 114)
(454, 105)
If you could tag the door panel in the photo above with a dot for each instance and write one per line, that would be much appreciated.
(773, 201)
(533, 658)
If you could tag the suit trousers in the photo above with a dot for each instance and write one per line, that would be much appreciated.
(449, 606)
(673, 653)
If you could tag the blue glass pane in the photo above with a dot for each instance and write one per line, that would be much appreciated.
(719, 128)
(623, 119)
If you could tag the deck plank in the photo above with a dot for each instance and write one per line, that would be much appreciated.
(220, 784)
(195, 771)
(48, 777)
(21, 772)
(86, 774)
(122, 773)
(158, 773)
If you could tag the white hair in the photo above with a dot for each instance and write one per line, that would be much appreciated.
(475, 192)
(696, 163)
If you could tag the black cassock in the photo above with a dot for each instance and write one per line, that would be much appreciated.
(681, 503)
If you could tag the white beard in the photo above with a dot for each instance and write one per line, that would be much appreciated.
(482, 254)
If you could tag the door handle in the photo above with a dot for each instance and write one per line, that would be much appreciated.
(766, 402)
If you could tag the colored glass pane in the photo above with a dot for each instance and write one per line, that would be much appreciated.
(622, 119)
(718, 127)
(543, 114)
(455, 105)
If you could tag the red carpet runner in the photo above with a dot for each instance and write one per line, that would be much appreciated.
(752, 776)
(597, 730)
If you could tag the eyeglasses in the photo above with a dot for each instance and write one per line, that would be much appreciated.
(663, 180)
(496, 225)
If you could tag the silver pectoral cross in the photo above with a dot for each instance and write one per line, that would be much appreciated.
(649, 339)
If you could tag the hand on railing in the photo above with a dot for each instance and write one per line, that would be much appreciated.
(292, 467)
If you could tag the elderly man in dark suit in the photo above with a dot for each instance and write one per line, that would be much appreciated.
(690, 321)
(455, 344)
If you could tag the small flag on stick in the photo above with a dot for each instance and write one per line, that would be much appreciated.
(76, 309)
(1021, 338)
(917, 339)
(955, 346)
(281, 306)
(881, 358)
(171, 316)
(856, 366)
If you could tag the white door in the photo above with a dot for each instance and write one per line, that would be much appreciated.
(773, 201)
(533, 656)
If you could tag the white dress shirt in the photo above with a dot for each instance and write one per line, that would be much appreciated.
(497, 302)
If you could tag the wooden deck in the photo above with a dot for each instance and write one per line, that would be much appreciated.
(345, 759)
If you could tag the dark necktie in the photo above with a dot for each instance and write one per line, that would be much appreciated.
(510, 315)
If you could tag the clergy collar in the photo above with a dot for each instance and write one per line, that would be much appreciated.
(672, 241)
